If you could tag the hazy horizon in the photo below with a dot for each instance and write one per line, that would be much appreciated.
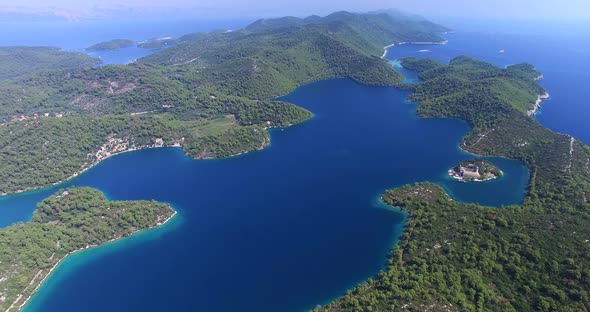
(111, 9)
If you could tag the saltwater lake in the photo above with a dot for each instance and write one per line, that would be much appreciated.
(294, 225)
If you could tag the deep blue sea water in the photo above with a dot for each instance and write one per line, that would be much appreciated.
(289, 227)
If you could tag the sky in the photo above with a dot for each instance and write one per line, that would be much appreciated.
(513, 9)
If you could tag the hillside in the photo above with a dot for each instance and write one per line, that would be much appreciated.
(289, 51)
(384, 27)
(224, 79)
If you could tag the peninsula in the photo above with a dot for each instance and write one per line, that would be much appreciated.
(64, 223)
(466, 257)
(475, 170)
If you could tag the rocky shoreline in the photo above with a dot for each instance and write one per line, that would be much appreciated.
(537, 106)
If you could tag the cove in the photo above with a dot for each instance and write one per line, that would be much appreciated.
(283, 229)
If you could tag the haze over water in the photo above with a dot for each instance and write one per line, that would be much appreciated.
(286, 228)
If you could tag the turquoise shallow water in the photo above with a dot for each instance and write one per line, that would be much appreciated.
(283, 229)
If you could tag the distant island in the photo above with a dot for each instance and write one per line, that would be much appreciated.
(66, 222)
(475, 170)
(114, 44)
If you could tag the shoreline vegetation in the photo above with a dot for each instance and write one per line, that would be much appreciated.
(67, 114)
(466, 257)
(159, 224)
(88, 167)
(68, 221)
(96, 162)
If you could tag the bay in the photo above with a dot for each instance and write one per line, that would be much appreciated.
(283, 229)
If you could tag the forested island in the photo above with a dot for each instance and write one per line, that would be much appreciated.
(114, 44)
(465, 257)
(211, 93)
(475, 170)
(66, 222)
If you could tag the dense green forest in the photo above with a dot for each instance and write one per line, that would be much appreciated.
(18, 61)
(65, 222)
(212, 93)
(465, 257)
(114, 44)
(292, 51)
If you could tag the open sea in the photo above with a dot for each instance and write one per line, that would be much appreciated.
(299, 223)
